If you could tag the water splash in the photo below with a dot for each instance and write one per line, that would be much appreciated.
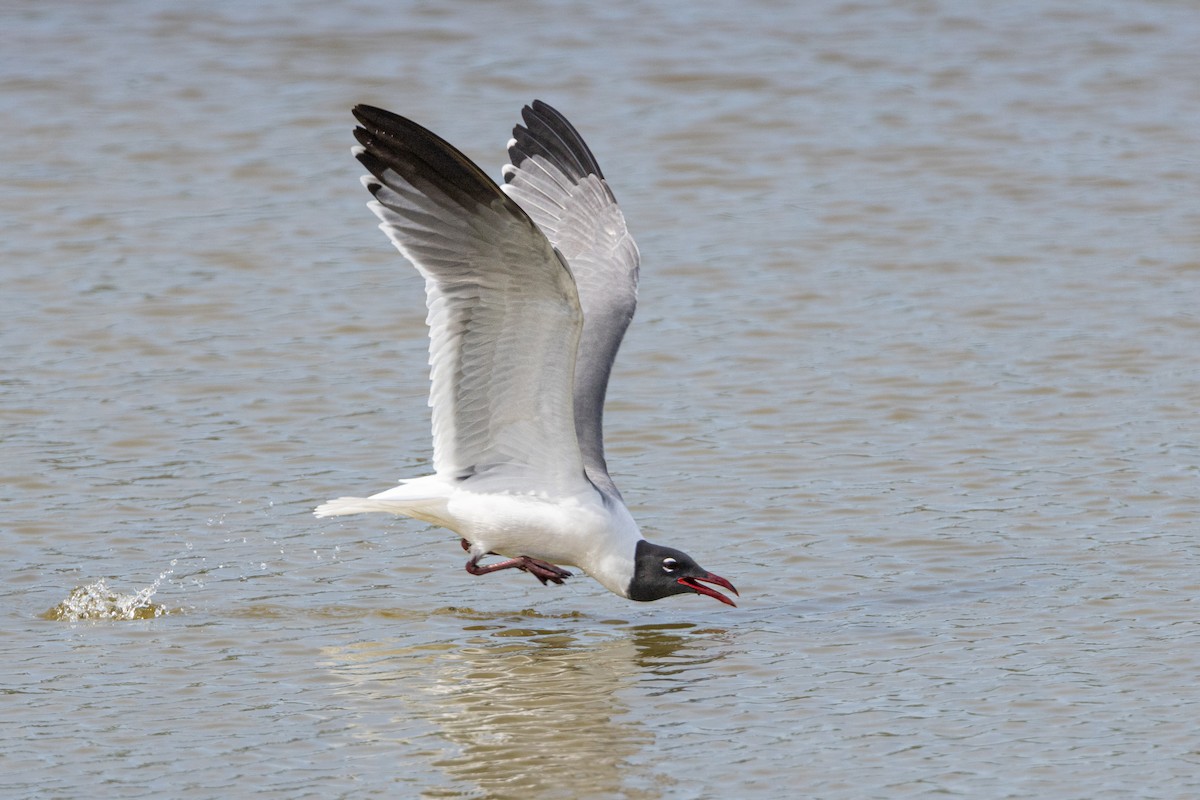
(97, 601)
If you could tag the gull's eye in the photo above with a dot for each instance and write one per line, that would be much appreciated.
(670, 565)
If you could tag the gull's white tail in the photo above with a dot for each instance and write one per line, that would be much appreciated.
(420, 498)
(360, 505)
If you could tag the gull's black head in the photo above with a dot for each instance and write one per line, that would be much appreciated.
(660, 572)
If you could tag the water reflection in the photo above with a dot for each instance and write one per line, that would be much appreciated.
(529, 707)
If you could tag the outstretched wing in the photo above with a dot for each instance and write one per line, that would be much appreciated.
(504, 315)
(555, 178)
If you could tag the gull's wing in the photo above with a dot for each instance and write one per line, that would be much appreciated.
(556, 179)
(504, 316)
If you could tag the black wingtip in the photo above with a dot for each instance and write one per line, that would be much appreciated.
(419, 156)
(548, 133)
(380, 119)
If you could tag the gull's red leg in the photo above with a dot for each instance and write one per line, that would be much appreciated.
(542, 570)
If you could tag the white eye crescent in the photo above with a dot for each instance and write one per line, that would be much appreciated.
(670, 565)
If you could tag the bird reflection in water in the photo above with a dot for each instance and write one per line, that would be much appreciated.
(538, 711)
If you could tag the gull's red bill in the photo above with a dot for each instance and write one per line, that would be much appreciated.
(694, 583)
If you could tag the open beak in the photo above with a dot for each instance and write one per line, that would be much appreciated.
(694, 583)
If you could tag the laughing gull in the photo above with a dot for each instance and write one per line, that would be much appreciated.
(530, 288)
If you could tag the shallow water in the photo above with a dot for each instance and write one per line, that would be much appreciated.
(915, 366)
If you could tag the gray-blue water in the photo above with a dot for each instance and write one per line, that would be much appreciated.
(916, 366)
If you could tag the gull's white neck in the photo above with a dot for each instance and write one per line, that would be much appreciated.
(611, 554)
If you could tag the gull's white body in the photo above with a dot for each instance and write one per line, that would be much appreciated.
(581, 530)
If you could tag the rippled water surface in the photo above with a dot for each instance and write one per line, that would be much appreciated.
(916, 366)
